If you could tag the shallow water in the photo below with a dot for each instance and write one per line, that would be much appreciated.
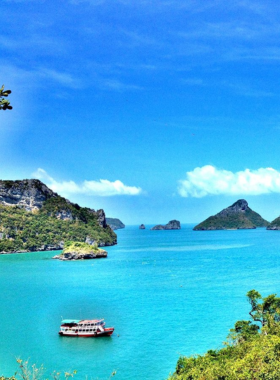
(166, 293)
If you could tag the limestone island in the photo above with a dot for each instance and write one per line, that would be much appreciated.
(35, 218)
(80, 251)
(115, 223)
(237, 216)
(142, 227)
(172, 225)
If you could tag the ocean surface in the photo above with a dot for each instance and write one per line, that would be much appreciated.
(167, 293)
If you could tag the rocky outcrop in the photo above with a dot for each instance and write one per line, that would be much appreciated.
(80, 251)
(142, 227)
(81, 256)
(237, 216)
(115, 223)
(172, 225)
(29, 194)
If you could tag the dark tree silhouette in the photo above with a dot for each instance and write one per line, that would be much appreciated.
(4, 103)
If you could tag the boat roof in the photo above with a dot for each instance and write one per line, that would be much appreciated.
(70, 321)
(66, 321)
(91, 320)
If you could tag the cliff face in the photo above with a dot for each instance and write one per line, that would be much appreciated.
(29, 193)
(34, 218)
(237, 216)
(32, 194)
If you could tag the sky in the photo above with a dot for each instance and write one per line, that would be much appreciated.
(151, 110)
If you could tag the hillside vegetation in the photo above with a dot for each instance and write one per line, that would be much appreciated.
(237, 216)
(251, 352)
(57, 221)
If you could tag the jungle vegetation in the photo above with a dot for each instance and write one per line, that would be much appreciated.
(22, 230)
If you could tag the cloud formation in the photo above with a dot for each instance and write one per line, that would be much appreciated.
(101, 188)
(209, 180)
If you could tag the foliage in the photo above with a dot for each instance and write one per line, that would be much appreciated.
(27, 372)
(4, 103)
(251, 352)
(79, 247)
(22, 230)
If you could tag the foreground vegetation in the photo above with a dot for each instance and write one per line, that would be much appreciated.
(31, 372)
(251, 352)
(22, 230)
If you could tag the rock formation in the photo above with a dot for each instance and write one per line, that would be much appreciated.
(142, 227)
(237, 216)
(172, 225)
(29, 194)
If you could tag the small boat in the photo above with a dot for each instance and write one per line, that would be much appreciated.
(84, 328)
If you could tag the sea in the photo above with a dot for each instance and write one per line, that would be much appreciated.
(167, 294)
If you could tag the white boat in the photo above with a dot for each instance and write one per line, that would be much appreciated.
(84, 328)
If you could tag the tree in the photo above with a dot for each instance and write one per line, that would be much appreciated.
(4, 103)
(265, 309)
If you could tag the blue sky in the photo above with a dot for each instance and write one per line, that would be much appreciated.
(152, 110)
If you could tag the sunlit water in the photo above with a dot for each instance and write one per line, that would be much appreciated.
(166, 293)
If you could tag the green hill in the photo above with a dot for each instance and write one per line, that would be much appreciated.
(237, 216)
(53, 221)
(115, 223)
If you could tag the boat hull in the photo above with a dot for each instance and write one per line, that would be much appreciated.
(107, 332)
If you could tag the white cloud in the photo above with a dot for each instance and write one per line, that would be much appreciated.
(209, 180)
(101, 188)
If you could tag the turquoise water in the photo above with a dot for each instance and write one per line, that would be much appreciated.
(166, 293)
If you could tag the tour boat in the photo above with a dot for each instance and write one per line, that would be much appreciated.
(84, 328)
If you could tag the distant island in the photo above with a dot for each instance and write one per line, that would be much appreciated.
(274, 225)
(172, 225)
(142, 227)
(237, 216)
(34, 218)
(115, 223)
(80, 251)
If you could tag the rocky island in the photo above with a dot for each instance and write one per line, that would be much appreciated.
(237, 216)
(34, 218)
(80, 251)
(142, 227)
(115, 223)
(172, 225)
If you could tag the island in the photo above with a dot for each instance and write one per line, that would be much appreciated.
(142, 227)
(80, 251)
(34, 218)
(274, 225)
(115, 223)
(237, 216)
(172, 225)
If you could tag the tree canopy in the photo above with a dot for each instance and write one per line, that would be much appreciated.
(252, 350)
(4, 103)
